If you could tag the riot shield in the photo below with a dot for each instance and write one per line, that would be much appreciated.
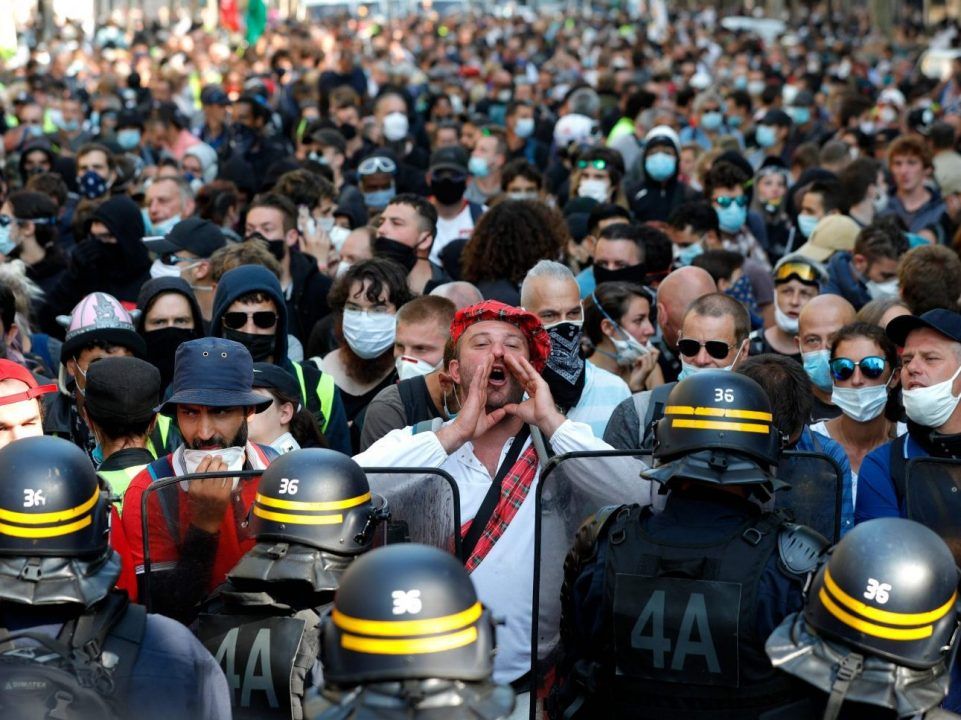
(814, 496)
(933, 498)
(571, 488)
(424, 505)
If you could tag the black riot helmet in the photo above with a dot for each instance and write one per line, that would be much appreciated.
(724, 417)
(51, 502)
(319, 498)
(889, 589)
(406, 612)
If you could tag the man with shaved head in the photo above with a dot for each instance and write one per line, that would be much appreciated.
(460, 292)
(819, 320)
(674, 296)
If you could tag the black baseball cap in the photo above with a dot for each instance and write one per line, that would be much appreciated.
(942, 321)
(200, 237)
(449, 158)
(214, 95)
(776, 117)
(122, 390)
(272, 377)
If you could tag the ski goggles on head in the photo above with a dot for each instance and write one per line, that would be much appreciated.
(801, 271)
(377, 164)
(872, 367)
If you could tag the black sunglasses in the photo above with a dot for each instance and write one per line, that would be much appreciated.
(263, 319)
(717, 349)
(872, 367)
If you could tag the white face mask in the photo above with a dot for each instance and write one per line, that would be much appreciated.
(888, 288)
(326, 224)
(233, 458)
(931, 406)
(342, 267)
(687, 369)
(165, 226)
(861, 404)
(785, 322)
(369, 335)
(396, 126)
(524, 127)
(159, 270)
(338, 236)
(409, 367)
(594, 189)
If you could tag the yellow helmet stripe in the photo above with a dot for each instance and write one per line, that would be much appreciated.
(720, 425)
(870, 628)
(401, 628)
(299, 519)
(45, 532)
(313, 506)
(885, 616)
(50, 517)
(719, 412)
(417, 646)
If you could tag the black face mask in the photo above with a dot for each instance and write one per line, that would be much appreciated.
(348, 131)
(162, 347)
(277, 248)
(448, 191)
(636, 274)
(261, 347)
(396, 251)
(564, 372)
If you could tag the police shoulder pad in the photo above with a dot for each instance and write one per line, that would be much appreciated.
(800, 548)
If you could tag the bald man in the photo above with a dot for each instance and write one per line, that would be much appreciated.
(460, 292)
(818, 322)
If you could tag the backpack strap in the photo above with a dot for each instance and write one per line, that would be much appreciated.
(413, 394)
(476, 211)
(899, 468)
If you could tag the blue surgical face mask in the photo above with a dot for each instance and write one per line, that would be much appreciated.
(6, 243)
(684, 256)
(800, 115)
(165, 226)
(731, 219)
(816, 366)
(379, 199)
(478, 167)
(735, 121)
(806, 224)
(765, 135)
(660, 166)
(712, 120)
(128, 138)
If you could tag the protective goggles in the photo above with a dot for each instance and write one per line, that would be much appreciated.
(797, 271)
(725, 201)
(872, 367)
(264, 319)
(717, 349)
(377, 164)
(598, 164)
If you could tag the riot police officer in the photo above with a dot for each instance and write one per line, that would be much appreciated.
(70, 645)
(313, 514)
(665, 614)
(407, 639)
(880, 627)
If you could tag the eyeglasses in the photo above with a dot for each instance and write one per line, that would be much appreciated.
(725, 202)
(598, 164)
(377, 164)
(798, 270)
(872, 367)
(264, 319)
(717, 349)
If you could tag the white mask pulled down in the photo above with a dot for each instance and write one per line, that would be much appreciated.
(233, 458)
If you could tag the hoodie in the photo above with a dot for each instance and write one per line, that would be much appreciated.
(651, 200)
(119, 270)
(842, 281)
(256, 278)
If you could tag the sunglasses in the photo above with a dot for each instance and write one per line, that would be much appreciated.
(797, 270)
(598, 164)
(264, 319)
(717, 349)
(377, 164)
(725, 202)
(872, 367)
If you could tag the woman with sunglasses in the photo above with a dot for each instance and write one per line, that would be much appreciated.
(864, 365)
(797, 281)
(597, 174)
(619, 322)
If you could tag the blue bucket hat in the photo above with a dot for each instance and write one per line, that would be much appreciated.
(213, 372)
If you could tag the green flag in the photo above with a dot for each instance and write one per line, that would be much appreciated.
(256, 20)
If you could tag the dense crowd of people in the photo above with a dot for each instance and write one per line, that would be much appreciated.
(477, 245)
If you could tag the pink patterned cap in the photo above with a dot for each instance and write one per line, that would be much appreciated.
(100, 316)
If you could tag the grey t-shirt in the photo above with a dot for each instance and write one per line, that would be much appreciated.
(386, 412)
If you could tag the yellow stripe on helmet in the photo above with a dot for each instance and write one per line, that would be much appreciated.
(45, 532)
(313, 506)
(886, 616)
(417, 646)
(401, 628)
(870, 628)
(720, 425)
(719, 412)
(50, 517)
(299, 519)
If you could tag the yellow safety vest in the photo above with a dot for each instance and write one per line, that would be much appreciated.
(325, 392)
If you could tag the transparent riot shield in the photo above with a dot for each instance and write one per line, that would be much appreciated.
(571, 488)
(933, 498)
(424, 505)
(423, 502)
(814, 496)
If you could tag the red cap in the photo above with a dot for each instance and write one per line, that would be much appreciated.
(493, 310)
(10, 370)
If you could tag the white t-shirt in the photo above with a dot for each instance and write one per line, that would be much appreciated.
(459, 227)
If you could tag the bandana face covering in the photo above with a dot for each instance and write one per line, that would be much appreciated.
(564, 372)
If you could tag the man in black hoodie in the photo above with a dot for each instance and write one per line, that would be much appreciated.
(661, 190)
(110, 258)
(249, 308)
(273, 218)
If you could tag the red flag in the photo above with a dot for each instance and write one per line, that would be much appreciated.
(229, 16)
